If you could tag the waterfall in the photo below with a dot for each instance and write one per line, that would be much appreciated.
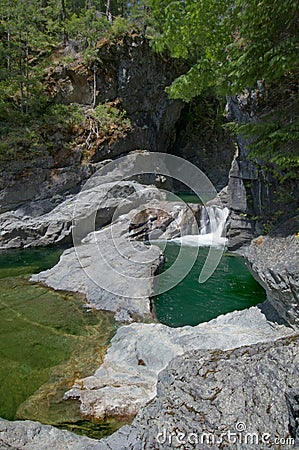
(213, 220)
(212, 228)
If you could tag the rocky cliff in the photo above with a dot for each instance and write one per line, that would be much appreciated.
(273, 260)
(258, 200)
(132, 73)
(261, 203)
(133, 78)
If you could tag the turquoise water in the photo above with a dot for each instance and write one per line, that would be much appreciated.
(25, 262)
(230, 288)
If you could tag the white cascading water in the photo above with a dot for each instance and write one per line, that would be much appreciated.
(212, 227)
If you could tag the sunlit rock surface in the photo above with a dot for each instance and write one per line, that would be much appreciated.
(273, 260)
(127, 378)
(203, 396)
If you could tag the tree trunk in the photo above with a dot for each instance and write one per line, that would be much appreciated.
(8, 51)
(94, 84)
(108, 11)
(123, 9)
(63, 17)
(63, 10)
(26, 75)
(21, 81)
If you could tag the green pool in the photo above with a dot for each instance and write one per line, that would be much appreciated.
(47, 340)
(188, 197)
(231, 287)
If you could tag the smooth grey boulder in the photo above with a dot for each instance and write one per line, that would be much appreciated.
(113, 273)
(273, 260)
(127, 379)
(98, 203)
(214, 399)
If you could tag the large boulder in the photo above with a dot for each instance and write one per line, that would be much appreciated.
(221, 399)
(114, 273)
(273, 260)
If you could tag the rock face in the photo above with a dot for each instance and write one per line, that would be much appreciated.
(131, 72)
(255, 198)
(41, 183)
(217, 399)
(24, 228)
(127, 379)
(241, 176)
(273, 260)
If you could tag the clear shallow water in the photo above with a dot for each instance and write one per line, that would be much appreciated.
(47, 340)
(230, 288)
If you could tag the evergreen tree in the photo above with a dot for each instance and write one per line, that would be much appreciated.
(230, 45)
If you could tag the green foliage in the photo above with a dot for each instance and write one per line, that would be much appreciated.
(108, 116)
(31, 29)
(69, 115)
(230, 45)
(88, 27)
(265, 44)
(26, 33)
(19, 142)
(120, 26)
(197, 32)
